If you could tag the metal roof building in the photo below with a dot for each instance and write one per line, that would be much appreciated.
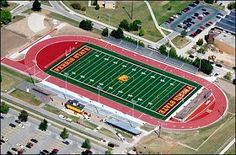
(227, 23)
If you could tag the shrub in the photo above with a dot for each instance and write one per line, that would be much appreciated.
(228, 76)
(83, 8)
(231, 6)
(135, 25)
(118, 34)
(125, 25)
(86, 25)
(141, 32)
(76, 6)
(36, 6)
(4, 108)
(206, 66)
(5, 16)
(97, 7)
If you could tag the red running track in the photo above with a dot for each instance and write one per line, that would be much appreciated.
(47, 51)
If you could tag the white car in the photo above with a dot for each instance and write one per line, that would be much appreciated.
(61, 116)
(20, 145)
(69, 119)
(21, 125)
(5, 139)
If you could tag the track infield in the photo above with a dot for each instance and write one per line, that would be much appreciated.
(124, 80)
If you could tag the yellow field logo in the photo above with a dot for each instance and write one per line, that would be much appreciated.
(123, 78)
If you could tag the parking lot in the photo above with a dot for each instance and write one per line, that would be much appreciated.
(17, 137)
(194, 19)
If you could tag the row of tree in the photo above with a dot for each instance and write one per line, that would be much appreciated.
(204, 65)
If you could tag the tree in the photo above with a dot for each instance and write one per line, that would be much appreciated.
(3, 3)
(231, 5)
(162, 49)
(97, 7)
(86, 25)
(234, 81)
(206, 66)
(200, 42)
(64, 134)
(76, 6)
(105, 32)
(23, 116)
(87, 152)
(125, 25)
(118, 34)
(141, 32)
(228, 76)
(136, 25)
(83, 8)
(5, 16)
(36, 6)
(183, 33)
(108, 151)
(172, 52)
(86, 144)
(43, 125)
(209, 1)
(4, 108)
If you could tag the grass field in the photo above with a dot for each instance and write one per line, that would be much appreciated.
(118, 14)
(25, 96)
(180, 42)
(147, 89)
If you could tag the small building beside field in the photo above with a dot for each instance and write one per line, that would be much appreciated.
(107, 4)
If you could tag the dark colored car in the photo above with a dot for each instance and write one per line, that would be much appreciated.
(179, 13)
(18, 121)
(192, 22)
(54, 152)
(196, 14)
(200, 18)
(193, 17)
(219, 65)
(14, 149)
(203, 9)
(34, 140)
(179, 26)
(66, 142)
(1, 117)
(206, 13)
(9, 153)
(12, 125)
(191, 56)
(46, 151)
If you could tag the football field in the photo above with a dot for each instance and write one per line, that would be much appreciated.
(126, 81)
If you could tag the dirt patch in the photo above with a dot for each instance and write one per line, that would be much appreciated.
(11, 41)
(72, 30)
(226, 86)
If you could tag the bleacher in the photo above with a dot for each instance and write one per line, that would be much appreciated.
(192, 106)
(123, 126)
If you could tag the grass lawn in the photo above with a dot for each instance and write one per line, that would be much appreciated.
(108, 133)
(15, 74)
(11, 6)
(7, 82)
(231, 150)
(124, 134)
(25, 96)
(160, 9)
(231, 100)
(89, 124)
(147, 127)
(45, 2)
(57, 111)
(180, 42)
(64, 19)
(141, 12)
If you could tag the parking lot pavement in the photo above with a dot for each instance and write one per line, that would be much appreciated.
(18, 137)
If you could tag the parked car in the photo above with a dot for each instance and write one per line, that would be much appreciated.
(18, 121)
(219, 65)
(34, 140)
(179, 13)
(9, 153)
(193, 17)
(66, 142)
(12, 125)
(14, 149)
(199, 17)
(196, 14)
(54, 152)
(203, 9)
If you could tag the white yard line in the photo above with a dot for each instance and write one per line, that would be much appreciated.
(164, 95)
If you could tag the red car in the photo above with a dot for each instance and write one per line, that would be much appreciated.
(202, 27)
(199, 17)
(210, 22)
(54, 151)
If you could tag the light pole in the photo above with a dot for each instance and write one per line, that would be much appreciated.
(66, 74)
(109, 15)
